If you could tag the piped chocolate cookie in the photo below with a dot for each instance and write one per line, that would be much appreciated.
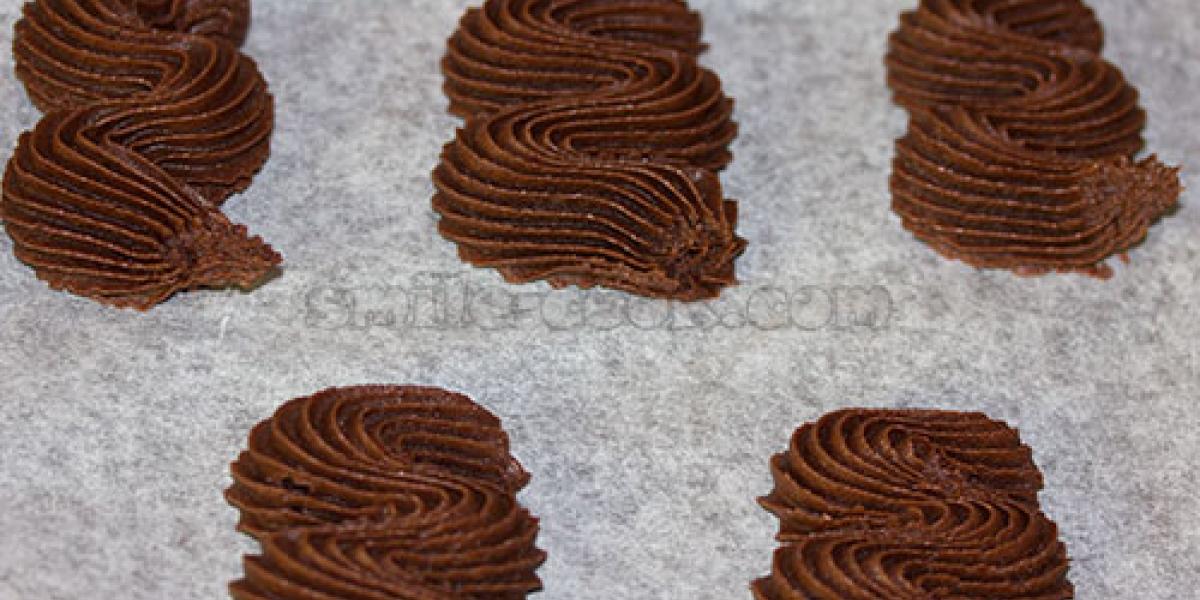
(153, 118)
(591, 148)
(1020, 151)
(384, 492)
(911, 505)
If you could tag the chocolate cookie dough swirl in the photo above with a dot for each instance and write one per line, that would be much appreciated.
(400, 492)
(364, 453)
(591, 147)
(1020, 147)
(153, 119)
(877, 504)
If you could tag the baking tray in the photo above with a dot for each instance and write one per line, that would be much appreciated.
(647, 426)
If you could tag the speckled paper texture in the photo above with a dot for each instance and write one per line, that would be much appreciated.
(647, 426)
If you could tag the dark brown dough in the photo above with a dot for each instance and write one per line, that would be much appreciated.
(911, 505)
(591, 148)
(384, 492)
(1020, 149)
(153, 119)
